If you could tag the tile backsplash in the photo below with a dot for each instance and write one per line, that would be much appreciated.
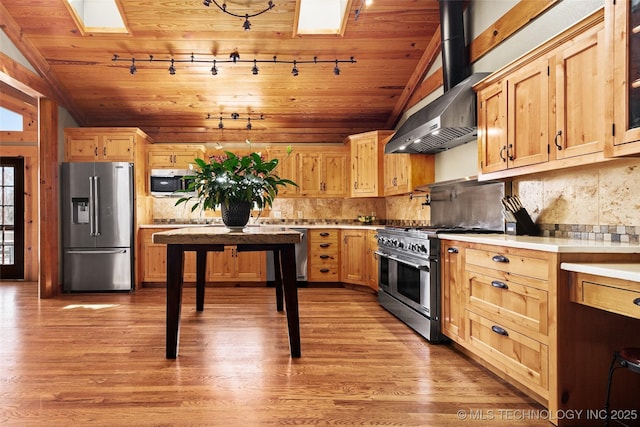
(597, 202)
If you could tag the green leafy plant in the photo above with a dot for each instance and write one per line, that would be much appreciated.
(231, 178)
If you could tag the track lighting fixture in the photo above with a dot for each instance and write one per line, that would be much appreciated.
(235, 116)
(234, 58)
(246, 25)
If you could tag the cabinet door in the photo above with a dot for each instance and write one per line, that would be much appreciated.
(492, 128)
(625, 36)
(354, 247)
(310, 174)
(182, 159)
(372, 260)
(287, 168)
(250, 266)
(364, 163)
(390, 167)
(160, 159)
(528, 115)
(154, 261)
(82, 148)
(453, 290)
(334, 174)
(117, 148)
(220, 265)
(580, 86)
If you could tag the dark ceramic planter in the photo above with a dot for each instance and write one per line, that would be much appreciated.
(236, 215)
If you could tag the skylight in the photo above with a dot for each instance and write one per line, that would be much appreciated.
(322, 16)
(97, 16)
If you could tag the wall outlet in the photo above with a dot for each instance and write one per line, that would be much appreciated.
(373, 213)
(299, 214)
(277, 214)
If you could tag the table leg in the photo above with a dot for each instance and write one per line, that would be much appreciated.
(278, 279)
(175, 256)
(201, 265)
(288, 257)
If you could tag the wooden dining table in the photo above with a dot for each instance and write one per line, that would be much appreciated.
(203, 239)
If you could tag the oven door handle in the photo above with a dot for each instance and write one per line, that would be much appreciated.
(403, 261)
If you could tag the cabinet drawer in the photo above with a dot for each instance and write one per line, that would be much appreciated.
(617, 296)
(323, 235)
(522, 358)
(517, 305)
(508, 262)
(323, 273)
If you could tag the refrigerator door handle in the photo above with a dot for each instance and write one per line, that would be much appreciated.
(96, 208)
(92, 208)
(115, 251)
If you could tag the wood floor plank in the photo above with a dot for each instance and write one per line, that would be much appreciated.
(99, 360)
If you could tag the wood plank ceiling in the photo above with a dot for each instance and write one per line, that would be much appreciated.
(388, 41)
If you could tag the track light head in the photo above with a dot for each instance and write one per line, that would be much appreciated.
(235, 56)
(254, 70)
(207, 3)
(294, 71)
(235, 116)
(220, 124)
(248, 123)
(133, 68)
(246, 25)
(214, 69)
(172, 69)
(336, 69)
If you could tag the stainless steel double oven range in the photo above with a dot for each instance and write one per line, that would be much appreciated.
(409, 258)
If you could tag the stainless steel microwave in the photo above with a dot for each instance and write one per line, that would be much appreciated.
(170, 182)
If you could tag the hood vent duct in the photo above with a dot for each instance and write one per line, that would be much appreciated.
(450, 120)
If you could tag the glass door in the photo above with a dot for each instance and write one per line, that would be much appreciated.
(11, 218)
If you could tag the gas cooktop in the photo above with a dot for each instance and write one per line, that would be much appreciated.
(428, 229)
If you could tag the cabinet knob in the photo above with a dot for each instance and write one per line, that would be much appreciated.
(324, 270)
(324, 256)
(500, 258)
(452, 250)
(325, 245)
(636, 301)
(502, 150)
(500, 331)
(324, 234)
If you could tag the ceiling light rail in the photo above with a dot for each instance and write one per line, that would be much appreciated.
(246, 25)
(235, 116)
(234, 58)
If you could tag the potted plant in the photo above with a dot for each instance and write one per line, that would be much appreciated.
(236, 184)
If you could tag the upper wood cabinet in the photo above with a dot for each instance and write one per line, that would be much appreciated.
(103, 144)
(623, 30)
(173, 156)
(323, 173)
(287, 168)
(403, 172)
(367, 165)
(546, 109)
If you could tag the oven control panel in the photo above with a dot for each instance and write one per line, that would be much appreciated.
(408, 242)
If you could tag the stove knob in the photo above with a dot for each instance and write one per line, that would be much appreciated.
(423, 249)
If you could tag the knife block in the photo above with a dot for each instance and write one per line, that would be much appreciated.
(524, 225)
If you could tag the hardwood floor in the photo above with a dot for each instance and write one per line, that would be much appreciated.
(100, 360)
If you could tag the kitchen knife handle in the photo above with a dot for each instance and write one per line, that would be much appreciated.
(500, 331)
(498, 284)
(555, 140)
(500, 258)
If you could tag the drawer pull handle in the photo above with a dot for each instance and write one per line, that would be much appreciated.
(324, 270)
(452, 250)
(501, 285)
(325, 245)
(636, 301)
(500, 331)
(324, 234)
(500, 258)
(324, 256)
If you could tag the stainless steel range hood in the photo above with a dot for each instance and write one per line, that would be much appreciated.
(445, 123)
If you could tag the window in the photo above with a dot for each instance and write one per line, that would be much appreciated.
(11, 121)
(11, 217)
(321, 16)
(97, 16)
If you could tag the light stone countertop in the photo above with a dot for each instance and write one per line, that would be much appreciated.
(225, 236)
(621, 271)
(290, 226)
(548, 244)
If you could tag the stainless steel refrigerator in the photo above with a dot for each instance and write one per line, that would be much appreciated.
(97, 226)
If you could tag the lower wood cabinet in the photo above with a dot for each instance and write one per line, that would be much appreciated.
(226, 266)
(371, 260)
(324, 255)
(353, 253)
